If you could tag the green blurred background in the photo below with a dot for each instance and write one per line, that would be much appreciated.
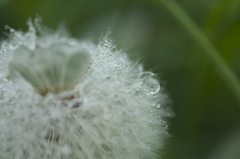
(206, 124)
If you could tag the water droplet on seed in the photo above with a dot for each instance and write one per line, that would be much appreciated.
(151, 85)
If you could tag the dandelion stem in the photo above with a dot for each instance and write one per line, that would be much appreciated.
(224, 71)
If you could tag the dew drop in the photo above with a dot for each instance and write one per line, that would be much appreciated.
(158, 106)
(151, 85)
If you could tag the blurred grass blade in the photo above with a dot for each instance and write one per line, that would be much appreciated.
(210, 51)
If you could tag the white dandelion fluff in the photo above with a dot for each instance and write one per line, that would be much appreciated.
(61, 98)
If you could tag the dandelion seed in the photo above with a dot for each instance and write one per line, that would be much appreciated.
(63, 98)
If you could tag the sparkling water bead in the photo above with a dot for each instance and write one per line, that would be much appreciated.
(149, 83)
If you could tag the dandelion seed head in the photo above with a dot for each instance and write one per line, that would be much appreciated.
(66, 98)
